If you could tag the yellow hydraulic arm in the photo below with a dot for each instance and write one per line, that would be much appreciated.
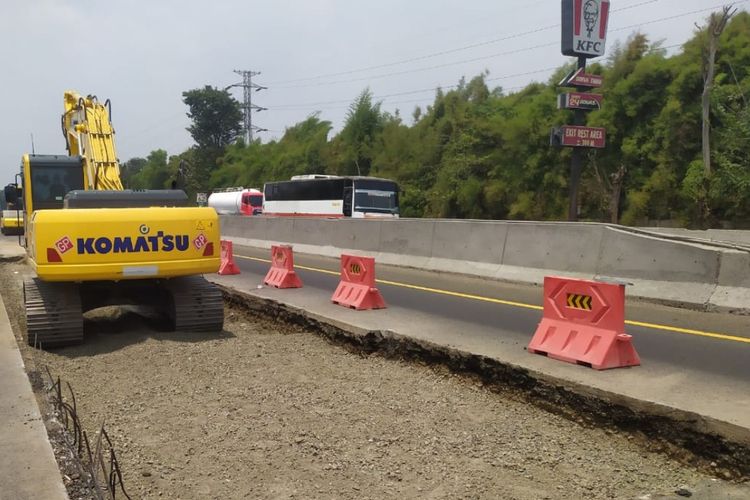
(89, 134)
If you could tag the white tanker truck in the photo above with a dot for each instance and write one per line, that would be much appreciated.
(237, 201)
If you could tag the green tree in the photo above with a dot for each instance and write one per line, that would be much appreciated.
(217, 122)
(635, 82)
(153, 172)
(364, 122)
(129, 170)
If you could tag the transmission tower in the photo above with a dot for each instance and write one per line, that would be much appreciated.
(247, 102)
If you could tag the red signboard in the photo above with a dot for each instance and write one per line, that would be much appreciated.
(577, 78)
(579, 100)
(587, 137)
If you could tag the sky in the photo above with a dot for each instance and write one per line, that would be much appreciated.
(313, 55)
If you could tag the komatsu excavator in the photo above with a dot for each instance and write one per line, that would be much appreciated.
(92, 243)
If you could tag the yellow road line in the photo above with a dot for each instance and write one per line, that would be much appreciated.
(492, 300)
(296, 266)
(461, 295)
(689, 331)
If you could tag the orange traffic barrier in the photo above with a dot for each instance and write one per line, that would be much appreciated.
(584, 323)
(227, 259)
(281, 274)
(357, 286)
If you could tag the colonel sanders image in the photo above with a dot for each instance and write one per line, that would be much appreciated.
(590, 15)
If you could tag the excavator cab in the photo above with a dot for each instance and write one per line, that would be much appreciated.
(50, 178)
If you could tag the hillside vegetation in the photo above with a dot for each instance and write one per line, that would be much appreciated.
(482, 152)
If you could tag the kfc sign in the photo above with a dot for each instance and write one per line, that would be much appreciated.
(584, 27)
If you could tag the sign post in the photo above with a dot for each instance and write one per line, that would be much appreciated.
(584, 35)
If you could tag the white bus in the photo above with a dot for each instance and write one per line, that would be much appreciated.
(331, 196)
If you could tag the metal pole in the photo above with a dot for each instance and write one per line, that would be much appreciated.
(249, 104)
(576, 161)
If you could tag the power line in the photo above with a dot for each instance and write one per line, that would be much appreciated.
(677, 16)
(420, 58)
(384, 97)
(443, 52)
(446, 87)
(437, 66)
(498, 54)
(408, 92)
(391, 103)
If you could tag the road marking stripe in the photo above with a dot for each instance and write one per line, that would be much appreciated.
(461, 295)
(688, 331)
(653, 326)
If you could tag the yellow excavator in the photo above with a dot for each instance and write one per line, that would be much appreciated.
(92, 243)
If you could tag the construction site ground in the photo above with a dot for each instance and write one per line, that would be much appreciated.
(268, 410)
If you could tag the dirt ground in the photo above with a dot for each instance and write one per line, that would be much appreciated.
(267, 411)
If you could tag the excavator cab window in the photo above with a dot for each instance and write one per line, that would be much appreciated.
(50, 182)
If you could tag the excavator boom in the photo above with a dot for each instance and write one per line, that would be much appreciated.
(89, 134)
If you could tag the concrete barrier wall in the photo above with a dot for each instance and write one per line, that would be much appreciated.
(734, 236)
(668, 270)
(642, 257)
(562, 247)
(404, 237)
(469, 240)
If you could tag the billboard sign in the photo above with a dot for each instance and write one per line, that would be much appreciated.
(579, 100)
(579, 137)
(584, 27)
(577, 78)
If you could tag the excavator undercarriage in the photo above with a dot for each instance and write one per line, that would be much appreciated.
(54, 311)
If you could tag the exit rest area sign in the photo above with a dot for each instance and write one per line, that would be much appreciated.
(580, 137)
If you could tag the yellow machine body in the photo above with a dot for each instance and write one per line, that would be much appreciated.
(97, 244)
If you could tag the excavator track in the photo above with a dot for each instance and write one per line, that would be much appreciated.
(197, 305)
(54, 317)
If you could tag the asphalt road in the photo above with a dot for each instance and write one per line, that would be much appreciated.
(716, 354)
